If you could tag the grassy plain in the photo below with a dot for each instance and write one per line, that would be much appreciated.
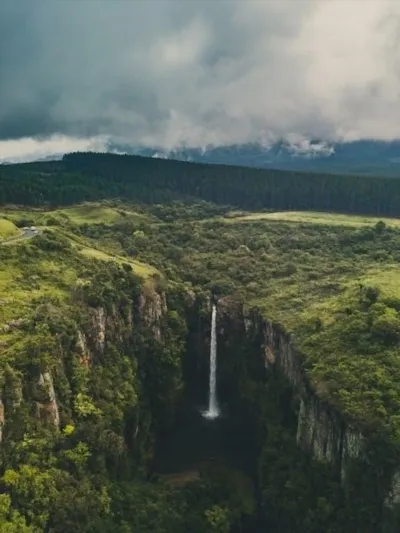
(309, 217)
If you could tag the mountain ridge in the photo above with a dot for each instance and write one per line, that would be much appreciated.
(364, 157)
(356, 157)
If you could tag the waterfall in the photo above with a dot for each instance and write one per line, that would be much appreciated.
(213, 411)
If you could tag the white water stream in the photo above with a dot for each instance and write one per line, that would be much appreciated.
(213, 410)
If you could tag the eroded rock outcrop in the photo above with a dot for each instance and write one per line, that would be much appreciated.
(49, 407)
(393, 496)
(152, 307)
(99, 328)
(2, 419)
(82, 349)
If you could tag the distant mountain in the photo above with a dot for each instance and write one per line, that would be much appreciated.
(358, 157)
(367, 157)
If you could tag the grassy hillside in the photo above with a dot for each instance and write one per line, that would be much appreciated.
(65, 222)
(7, 229)
(48, 266)
(97, 213)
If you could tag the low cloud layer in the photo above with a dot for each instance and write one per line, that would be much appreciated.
(31, 149)
(172, 73)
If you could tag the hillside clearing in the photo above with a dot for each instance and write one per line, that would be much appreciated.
(141, 269)
(308, 217)
(96, 213)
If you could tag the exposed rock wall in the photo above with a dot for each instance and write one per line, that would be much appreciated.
(152, 307)
(393, 497)
(85, 355)
(98, 327)
(2, 419)
(321, 430)
(48, 408)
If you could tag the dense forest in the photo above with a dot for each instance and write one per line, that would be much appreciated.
(104, 345)
(90, 176)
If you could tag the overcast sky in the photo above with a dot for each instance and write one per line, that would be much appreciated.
(195, 72)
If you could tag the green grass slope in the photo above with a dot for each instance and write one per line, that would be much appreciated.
(310, 217)
(97, 213)
(7, 229)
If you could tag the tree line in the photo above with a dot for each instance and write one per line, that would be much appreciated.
(93, 176)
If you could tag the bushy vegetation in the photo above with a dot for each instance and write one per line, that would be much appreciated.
(334, 288)
(331, 283)
(80, 461)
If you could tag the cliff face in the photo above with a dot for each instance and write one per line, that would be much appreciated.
(321, 431)
(152, 309)
(2, 419)
(85, 346)
(48, 408)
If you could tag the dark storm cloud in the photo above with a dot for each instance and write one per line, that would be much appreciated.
(173, 72)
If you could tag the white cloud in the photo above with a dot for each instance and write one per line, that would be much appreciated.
(28, 149)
